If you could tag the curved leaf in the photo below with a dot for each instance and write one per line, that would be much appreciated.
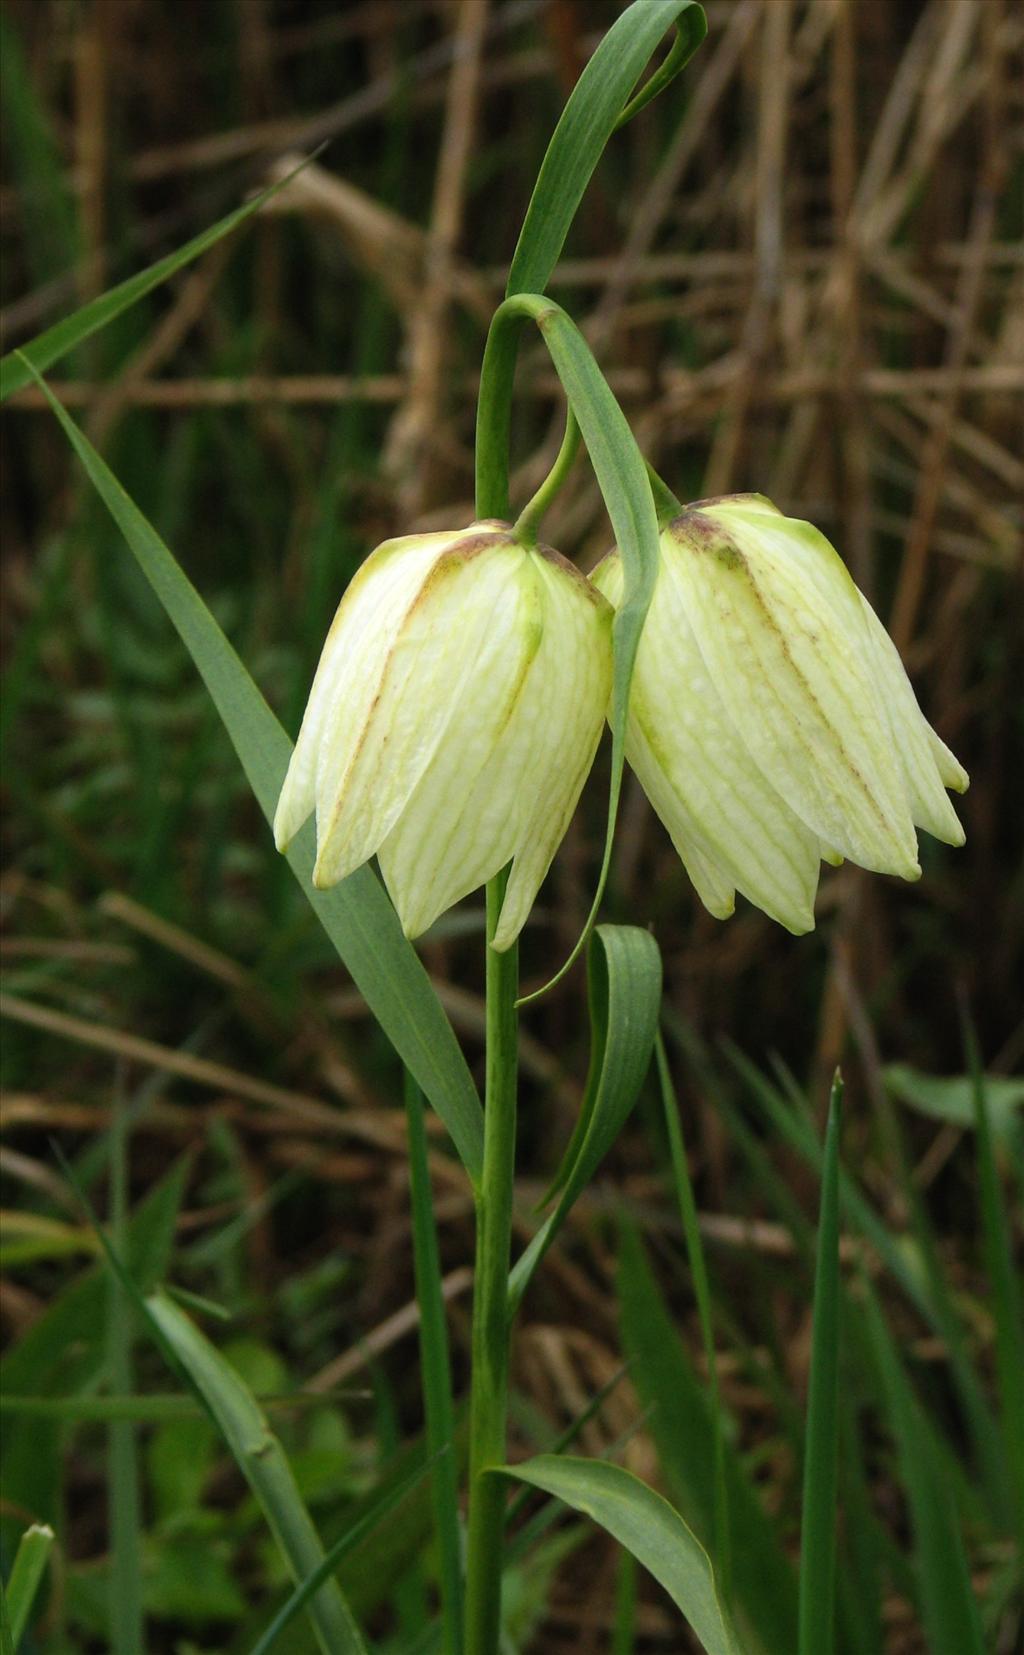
(624, 979)
(595, 109)
(648, 1527)
(356, 914)
(625, 487)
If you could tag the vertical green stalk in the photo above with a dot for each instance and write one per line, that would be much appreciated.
(489, 1381)
(126, 1618)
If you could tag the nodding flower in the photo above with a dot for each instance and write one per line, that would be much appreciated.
(452, 722)
(771, 722)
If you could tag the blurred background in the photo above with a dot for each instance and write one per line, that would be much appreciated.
(802, 271)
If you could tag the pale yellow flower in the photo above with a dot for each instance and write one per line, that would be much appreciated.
(771, 721)
(454, 716)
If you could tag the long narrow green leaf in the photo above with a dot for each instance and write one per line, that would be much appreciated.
(1006, 1297)
(255, 1448)
(356, 914)
(124, 1609)
(764, 1597)
(597, 104)
(6, 1635)
(951, 1621)
(61, 1354)
(648, 1527)
(342, 1546)
(722, 1551)
(47, 206)
(263, 1463)
(16, 368)
(918, 1272)
(436, 1373)
(821, 1454)
(624, 976)
(34, 1548)
(151, 1408)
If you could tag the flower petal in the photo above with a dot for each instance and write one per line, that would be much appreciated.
(730, 827)
(558, 726)
(778, 622)
(462, 821)
(363, 785)
(910, 732)
(351, 665)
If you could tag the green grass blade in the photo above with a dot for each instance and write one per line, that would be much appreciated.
(950, 1612)
(721, 1549)
(255, 1448)
(919, 1272)
(1005, 1286)
(624, 1625)
(16, 368)
(821, 1454)
(624, 979)
(341, 1547)
(356, 914)
(648, 1527)
(435, 1368)
(263, 1463)
(598, 103)
(125, 1613)
(153, 1408)
(51, 227)
(517, 1505)
(30, 1559)
(764, 1597)
(61, 1354)
(6, 1635)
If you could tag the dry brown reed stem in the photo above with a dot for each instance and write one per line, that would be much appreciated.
(91, 64)
(418, 427)
(969, 295)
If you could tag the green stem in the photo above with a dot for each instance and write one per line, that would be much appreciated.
(529, 518)
(494, 403)
(489, 1380)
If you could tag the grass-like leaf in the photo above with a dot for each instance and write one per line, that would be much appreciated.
(125, 1611)
(918, 1271)
(324, 1569)
(263, 1463)
(764, 1596)
(1006, 1296)
(950, 1613)
(702, 1293)
(648, 1527)
(597, 106)
(821, 1451)
(356, 914)
(30, 1559)
(16, 368)
(624, 977)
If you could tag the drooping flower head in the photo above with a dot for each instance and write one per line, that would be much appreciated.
(453, 718)
(771, 721)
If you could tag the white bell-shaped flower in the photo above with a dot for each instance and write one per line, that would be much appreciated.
(771, 721)
(453, 719)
